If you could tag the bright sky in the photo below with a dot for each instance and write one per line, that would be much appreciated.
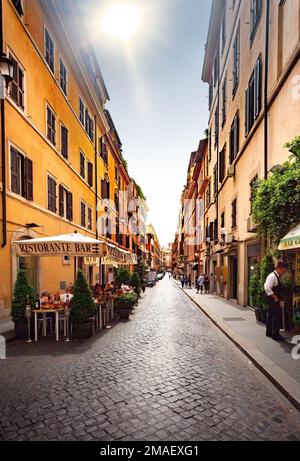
(158, 102)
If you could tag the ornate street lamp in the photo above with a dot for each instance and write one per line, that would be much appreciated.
(6, 69)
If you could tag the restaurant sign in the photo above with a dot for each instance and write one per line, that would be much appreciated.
(116, 256)
(91, 261)
(58, 248)
(291, 241)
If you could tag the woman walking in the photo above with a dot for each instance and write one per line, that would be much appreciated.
(206, 284)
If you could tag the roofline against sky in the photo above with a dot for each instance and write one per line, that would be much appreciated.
(216, 12)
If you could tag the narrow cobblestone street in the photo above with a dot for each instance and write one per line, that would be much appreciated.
(167, 374)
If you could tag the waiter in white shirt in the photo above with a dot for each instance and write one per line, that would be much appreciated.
(273, 290)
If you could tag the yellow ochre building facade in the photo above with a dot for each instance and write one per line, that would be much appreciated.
(62, 151)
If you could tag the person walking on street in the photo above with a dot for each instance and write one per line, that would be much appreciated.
(182, 281)
(200, 284)
(186, 281)
(190, 281)
(274, 290)
(206, 284)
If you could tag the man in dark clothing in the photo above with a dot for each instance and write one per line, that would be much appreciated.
(273, 290)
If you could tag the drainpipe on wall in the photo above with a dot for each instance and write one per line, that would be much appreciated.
(267, 40)
(3, 158)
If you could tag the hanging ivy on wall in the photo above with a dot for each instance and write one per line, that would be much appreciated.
(276, 205)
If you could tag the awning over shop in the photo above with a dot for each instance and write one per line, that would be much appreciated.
(68, 244)
(115, 256)
(76, 245)
(291, 241)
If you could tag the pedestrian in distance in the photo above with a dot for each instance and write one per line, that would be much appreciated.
(206, 284)
(186, 281)
(197, 284)
(200, 284)
(274, 292)
(182, 281)
(190, 281)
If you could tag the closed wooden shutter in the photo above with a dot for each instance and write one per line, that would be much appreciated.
(70, 206)
(61, 200)
(90, 174)
(82, 208)
(64, 142)
(103, 189)
(257, 86)
(236, 135)
(52, 195)
(90, 218)
(247, 111)
(15, 171)
(28, 179)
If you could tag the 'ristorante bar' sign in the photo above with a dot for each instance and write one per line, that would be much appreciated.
(58, 248)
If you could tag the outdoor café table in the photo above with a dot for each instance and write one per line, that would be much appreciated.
(44, 312)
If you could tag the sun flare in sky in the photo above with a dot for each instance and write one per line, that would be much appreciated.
(121, 20)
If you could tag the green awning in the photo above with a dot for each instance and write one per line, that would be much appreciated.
(291, 241)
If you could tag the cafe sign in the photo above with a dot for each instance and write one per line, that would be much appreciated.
(69, 245)
(291, 241)
(91, 261)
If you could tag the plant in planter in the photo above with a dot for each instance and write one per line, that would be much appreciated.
(296, 323)
(124, 304)
(266, 267)
(136, 283)
(141, 270)
(253, 292)
(23, 291)
(83, 308)
(122, 276)
(256, 287)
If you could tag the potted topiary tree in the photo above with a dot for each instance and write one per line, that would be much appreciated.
(266, 267)
(83, 308)
(141, 270)
(122, 276)
(136, 283)
(124, 304)
(254, 291)
(296, 323)
(23, 292)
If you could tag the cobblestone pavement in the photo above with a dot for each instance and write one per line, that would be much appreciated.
(167, 374)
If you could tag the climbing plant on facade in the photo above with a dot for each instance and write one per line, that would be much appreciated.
(276, 205)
